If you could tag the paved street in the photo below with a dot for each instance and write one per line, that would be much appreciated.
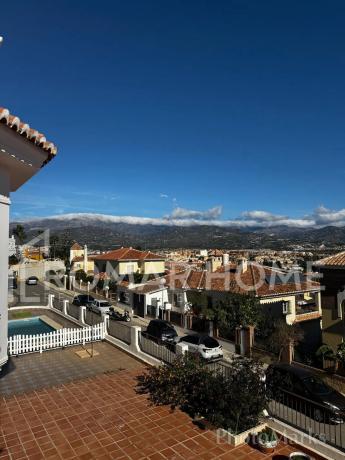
(38, 295)
(26, 295)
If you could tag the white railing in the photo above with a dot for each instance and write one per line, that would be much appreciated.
(20, 344)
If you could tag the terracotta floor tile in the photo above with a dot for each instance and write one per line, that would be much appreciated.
(81, 422)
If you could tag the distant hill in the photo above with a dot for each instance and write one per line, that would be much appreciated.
(101, 234)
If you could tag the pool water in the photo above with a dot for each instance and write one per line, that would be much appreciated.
(29, 326)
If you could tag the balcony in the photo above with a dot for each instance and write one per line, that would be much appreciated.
(304, 306)
(306, 310)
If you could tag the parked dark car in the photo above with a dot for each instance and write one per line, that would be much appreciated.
(83, 300)
(299, 388)
(117, 316)
(32, 280)
(160, 331)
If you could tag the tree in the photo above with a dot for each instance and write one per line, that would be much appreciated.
(137, 277)
(190, 385)
(19, 232)
(230, 311)
(284, 334)
(13, 260)
(242, 309)
(325, 352)
(60, 246)
(80, 275)
(218, 313)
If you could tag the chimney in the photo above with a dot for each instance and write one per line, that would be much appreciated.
(85, 258)
(243, 264)
(225, 259)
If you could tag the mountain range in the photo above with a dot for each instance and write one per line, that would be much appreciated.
(101, 234)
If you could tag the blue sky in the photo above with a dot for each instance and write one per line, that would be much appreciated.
(158, 105)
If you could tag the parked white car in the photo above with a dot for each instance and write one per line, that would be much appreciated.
(206, 346)
(32, 281)
(100, 306)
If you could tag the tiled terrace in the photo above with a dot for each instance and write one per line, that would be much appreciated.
(35, 371)
(101, 417)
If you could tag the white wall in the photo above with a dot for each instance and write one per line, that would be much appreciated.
(4, 229)
(38, 269)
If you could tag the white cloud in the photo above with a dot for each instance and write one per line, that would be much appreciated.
(262, 216)
(164, 195)
(183, 213)
(324, 216)
(182, 217)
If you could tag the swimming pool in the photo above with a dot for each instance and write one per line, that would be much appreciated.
(28, 326)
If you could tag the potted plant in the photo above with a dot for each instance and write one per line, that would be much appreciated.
(299, 456)
(267, 440)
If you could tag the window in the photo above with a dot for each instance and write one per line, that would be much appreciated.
(316, 386)
(210, 342)
(286, 307)
(179, 299)
(194, 339)
(124, 297)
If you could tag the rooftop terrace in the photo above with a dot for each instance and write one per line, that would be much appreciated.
(58, 406)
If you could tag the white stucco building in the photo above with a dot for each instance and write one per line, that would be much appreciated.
(23, 152)
(12, 248)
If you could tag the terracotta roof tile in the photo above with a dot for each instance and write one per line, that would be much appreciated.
(24, 130)
(129, 254)
(263, 281)
(76, 247)
(81, 258)
(337, 260)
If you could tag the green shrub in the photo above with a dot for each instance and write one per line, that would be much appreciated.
(232, 401)
(325, 352)
(341, 352)
(268, 436)
(80, 275)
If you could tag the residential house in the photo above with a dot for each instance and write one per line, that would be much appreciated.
(291, 297)
(123, 262)
(147, 299)
(332, 272)
(80, 259)
(23, 152)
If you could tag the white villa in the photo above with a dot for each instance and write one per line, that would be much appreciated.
(23, 152)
